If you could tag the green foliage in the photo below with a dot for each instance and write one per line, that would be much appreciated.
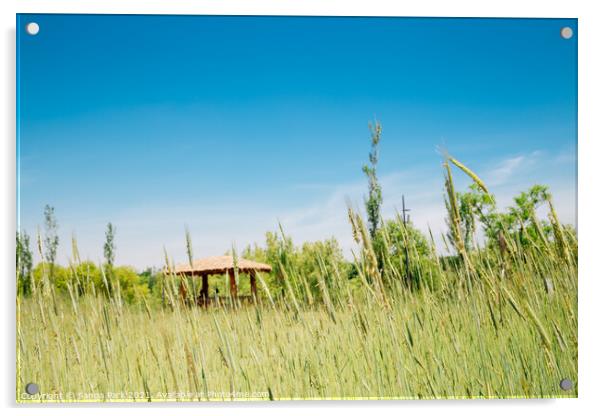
(51, 238)
(474, 205)
(189, 251)
(455, 234)
(109, 246)
(58, 280)
(86, 277)
(109, 254)
(400, 236)
(396, 240)
(150, 278)
(302, 267)
(24, 263)
(461, 207)
(519, 224)
(375, 198)
(130, 285)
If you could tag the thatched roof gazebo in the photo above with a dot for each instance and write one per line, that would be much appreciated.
(221, 265)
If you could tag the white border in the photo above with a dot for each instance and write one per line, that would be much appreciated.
(590, 155)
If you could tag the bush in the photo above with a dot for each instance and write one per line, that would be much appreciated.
(303, 266)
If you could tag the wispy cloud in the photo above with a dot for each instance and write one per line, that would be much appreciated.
(328, 217)
(501, 174)
(511, 167)
(568, 156)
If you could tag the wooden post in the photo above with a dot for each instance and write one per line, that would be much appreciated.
(253, 285)
(183, 292)
(232, 284)
(205, 289)
(163, 291)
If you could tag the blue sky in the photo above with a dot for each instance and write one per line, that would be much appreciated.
(228, 125)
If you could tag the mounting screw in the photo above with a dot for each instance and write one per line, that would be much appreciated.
(32, 28)
(566, 32)
(566, 384)
(32, 388)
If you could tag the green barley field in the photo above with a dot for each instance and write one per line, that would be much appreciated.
(489, 319)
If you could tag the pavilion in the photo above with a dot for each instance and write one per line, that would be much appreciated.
(221, 265)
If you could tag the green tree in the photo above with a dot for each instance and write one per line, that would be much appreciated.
(149, 277)
(303, 266)
(133, 289)
(24, 263)
(527, 202)
(400, 235)
(321, 260)
(460, 219)
(60, 275)
(109, 246)
(375, 199)
(518, 224)
(88, 276)
(520, 221)
(51, 239)
(109, 253)
(393, 241)
(474, 206)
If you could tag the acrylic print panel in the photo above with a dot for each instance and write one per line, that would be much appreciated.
(273, 208)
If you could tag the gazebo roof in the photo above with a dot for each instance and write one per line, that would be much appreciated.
(220, 265)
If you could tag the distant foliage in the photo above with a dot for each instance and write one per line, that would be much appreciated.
(86, 277)
(375, 198)
(519, 225)
(109, 254)
(24, 263)
(395, 240)
(300, 269)
(51, 239)
(109, 246)
(475, 205)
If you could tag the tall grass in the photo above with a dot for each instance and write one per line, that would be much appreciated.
(487, 323)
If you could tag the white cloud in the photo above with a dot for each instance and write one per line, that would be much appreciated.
(510, 168)
(501, 174)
